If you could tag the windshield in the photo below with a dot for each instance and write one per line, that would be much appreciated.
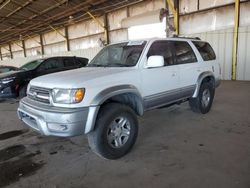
(119, 55)
(31, 65)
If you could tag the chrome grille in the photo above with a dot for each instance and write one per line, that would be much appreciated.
(39, 94)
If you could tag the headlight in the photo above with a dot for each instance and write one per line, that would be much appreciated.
(68, 96)
(7, 80)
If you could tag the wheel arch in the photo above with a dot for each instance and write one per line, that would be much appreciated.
(207, 76)
(124, 94)
(19, 85)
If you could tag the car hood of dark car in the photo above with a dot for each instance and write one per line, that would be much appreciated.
(9, 74)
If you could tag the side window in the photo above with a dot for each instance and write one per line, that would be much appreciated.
(162, 48)
(81, 61)
(51, 64)
(69, 62)
(206, 51)
(184, 53)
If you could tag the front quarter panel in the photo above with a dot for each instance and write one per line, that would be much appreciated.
(113, 91)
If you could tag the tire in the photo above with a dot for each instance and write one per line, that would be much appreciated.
(115, 132)
(203, 102)
(22, 92)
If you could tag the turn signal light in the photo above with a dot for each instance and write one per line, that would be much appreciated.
(79, 95)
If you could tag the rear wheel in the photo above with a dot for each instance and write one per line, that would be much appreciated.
(115, 131)
(203, 102)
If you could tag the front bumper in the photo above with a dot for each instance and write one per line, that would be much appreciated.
(6, 92)
(54, 121)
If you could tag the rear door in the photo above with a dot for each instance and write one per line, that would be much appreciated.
(210, 63)
(189, 67)
(160, 85)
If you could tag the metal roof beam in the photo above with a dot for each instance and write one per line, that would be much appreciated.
(41, 13)
(77, 8)
(18, 9)
(38, 27)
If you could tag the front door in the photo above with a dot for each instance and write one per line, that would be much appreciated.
(160, 84)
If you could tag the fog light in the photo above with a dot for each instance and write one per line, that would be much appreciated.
(57, 127)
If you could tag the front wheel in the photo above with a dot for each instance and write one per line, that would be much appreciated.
(22, 91)
(203, 102)
(115, 131)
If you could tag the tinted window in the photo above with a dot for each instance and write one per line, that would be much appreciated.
(82, 61)
(51, 64)
(13, 69)
(69, 62)
(162, 48)
(206, 51)
(32, 65)
(184, 53)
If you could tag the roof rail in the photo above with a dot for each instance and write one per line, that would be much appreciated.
(185, 37)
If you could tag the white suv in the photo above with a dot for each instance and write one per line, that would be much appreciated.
(124, 80)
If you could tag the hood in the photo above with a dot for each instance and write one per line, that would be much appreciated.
(78, 77)
(9, 74)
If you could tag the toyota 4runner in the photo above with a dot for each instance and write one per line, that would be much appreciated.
(124, 80)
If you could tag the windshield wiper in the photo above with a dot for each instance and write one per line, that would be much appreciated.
(109, 65)
(95, 65)
(117, 65)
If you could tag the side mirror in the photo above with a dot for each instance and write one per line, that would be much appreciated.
(155, 61)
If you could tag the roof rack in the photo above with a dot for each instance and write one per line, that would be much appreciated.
(185, 37)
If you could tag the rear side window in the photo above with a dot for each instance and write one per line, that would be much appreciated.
(82, 61)
(162, 48)
(206, 51)
(51, 64)
(184, 53)
(69, 62)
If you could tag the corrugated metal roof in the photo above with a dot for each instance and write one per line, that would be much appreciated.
(22, 18)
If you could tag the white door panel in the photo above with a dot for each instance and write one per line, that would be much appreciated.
(189, 74)
(159, 80)
(160, 86)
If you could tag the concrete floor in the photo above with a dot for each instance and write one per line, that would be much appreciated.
(176, 148)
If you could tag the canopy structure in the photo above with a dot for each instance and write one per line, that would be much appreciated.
(23, 18)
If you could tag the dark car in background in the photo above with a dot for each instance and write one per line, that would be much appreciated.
(14, 84)
(4, 69)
